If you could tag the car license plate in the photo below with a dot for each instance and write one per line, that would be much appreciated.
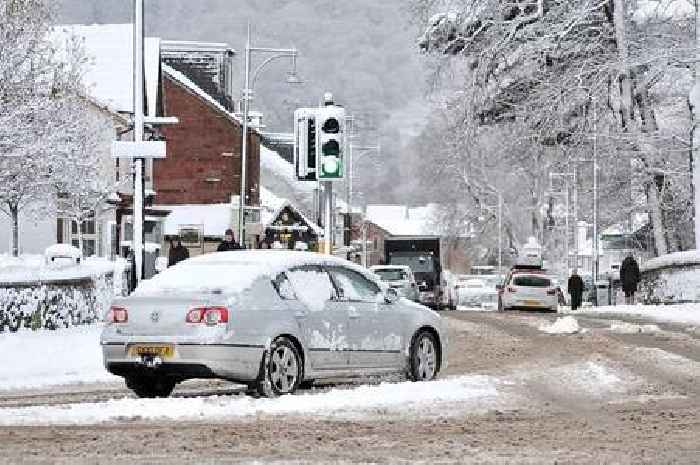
(532, 302)
(160, 350)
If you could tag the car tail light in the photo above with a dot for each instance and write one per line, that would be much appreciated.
(207, 315)
(551, 292)
(511, 289)
(117, 314)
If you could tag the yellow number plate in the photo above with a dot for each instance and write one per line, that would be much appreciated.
(532, 302)
(163, 351)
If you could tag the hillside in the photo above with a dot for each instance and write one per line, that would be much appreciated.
(360, 50)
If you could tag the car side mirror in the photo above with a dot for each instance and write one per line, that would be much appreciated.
(499, 287)
(391, 295)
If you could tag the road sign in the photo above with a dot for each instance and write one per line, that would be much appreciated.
(143, 149)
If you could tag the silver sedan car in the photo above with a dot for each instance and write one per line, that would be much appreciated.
(270, 319)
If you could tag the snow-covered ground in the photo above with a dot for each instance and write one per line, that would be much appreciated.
(473, 392)
(683, 314)
(39, 359)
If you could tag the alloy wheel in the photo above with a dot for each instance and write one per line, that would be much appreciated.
(284, 369)
(426, 358)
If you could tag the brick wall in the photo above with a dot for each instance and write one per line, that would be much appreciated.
(203, 162)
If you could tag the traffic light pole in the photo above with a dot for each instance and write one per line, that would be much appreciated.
(327, 247)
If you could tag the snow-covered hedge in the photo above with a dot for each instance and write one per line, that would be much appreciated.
(37, 294)
(671, 278)
(54, 305)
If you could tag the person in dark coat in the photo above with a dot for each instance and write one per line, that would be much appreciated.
(629, 278)
(229, 243)
(178, 252)
(575, 286)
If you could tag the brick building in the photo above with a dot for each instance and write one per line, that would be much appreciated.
(203, 162)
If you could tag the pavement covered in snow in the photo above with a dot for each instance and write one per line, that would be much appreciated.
(40, 359)
(682, 314)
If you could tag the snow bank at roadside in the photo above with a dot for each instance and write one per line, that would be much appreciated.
(565, 325)
(623, 327)
(476, 391)
(37, 359)
(684, 313)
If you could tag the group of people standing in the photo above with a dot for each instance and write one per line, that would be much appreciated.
(629, 279)
(179, 252)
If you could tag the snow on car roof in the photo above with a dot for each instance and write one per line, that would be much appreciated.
(234, 272)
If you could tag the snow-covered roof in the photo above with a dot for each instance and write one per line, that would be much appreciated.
(638, 222)
(663, 10)
(686, 258)
(214, 219)
(272, 206)
(183, 80)
(109, 71)
(400, 220)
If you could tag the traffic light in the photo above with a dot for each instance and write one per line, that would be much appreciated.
(305, 144)
(330, 147)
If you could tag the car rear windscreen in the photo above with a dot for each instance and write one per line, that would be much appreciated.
(531, 281)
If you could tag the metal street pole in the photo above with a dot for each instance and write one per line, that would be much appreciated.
(576, 245)
(500, 233)
(244, 144)
(138, 137)
(247, 97)
(595, 194)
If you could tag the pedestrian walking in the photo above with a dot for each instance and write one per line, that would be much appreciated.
(177, 252)
(575, 286)
(629, 277)
(229, 243)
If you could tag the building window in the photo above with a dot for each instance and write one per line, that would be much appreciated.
(90, 237)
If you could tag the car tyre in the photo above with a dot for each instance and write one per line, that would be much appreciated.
(424, 360)
(150, 387)
(281, 370)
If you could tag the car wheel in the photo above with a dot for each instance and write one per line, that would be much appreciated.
(281, 369)
(150, 386)
(424, 357)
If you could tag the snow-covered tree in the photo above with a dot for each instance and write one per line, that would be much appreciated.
(560, 73)
(38, 78)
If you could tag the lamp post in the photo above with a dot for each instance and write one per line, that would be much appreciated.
(292, 78)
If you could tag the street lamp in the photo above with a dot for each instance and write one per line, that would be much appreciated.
(292, 78)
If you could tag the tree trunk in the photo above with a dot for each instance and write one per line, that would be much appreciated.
(656, 218)
(694, 100)
(625, 76)
(14, 213)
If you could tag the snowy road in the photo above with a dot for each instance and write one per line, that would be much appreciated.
(613, 391)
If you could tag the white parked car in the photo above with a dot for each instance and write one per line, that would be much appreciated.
(476, 293)
(400, 277)
(530, 290)
(269, 319)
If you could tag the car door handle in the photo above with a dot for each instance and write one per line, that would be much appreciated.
(354, 315)
(300, 314)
